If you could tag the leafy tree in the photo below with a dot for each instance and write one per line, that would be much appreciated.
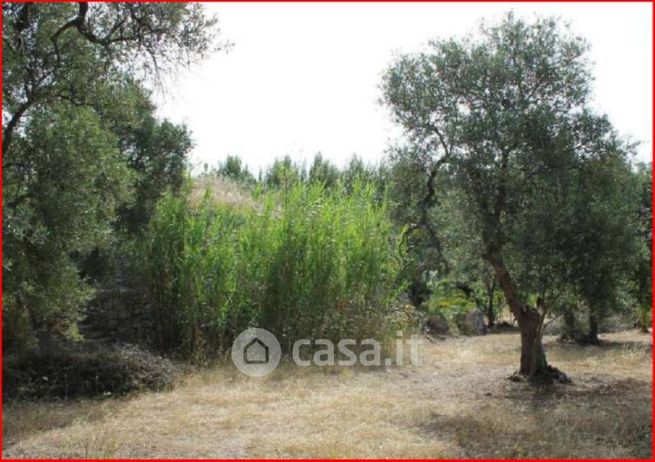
(640, 279)
(508, 113)
(234, 169)
(155, 150)
(413, 207)
(78, 52)
(356, 170)
(604, 229)
(60, 198)
(75, 119)
(283, 174)
(323, 171)
(477, 282)
(437, 239)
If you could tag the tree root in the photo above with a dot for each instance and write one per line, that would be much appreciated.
(549, 376)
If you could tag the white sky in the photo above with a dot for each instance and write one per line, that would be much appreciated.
(303, 78)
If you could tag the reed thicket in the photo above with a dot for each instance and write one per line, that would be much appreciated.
(303, 262)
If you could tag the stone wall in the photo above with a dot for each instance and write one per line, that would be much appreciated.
(117, 314)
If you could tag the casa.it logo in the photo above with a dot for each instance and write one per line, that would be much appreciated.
(256, 352)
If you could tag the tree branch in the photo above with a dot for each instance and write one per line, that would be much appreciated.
(8, 132)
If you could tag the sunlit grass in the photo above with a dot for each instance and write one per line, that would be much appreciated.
(457, 404)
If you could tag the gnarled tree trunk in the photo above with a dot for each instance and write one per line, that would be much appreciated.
(533, 358)
(533, 365)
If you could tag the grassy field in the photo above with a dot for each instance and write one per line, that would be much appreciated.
(457, 404)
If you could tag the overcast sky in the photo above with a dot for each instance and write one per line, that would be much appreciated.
(303, 78)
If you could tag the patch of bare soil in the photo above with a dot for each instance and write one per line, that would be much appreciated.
(458, 403)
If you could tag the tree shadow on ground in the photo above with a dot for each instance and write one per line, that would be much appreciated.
(591, 418)
(605, 348)
(29, 418)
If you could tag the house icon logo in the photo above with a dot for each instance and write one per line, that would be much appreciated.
(256, 352)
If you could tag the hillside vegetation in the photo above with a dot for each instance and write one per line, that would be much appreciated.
(508, 227)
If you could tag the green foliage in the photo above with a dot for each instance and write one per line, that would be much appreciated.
(601, 248)
(283, 174)
(356, 170)
(323, 171)
(303, 263)
(640, 279)
(448, 300)
(83, 154)
(506, 116)
(452, 258)
(47, 56)
(60, 197)
(234, 169)
(155, 150)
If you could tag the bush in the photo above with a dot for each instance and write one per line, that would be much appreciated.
(85, 370)
(448, 301)
(302, 262)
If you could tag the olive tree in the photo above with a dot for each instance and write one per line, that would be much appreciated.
(82, 152)
(506, 114)
(640, 280)
(604, 255)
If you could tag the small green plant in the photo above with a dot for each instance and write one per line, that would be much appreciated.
(448, 300)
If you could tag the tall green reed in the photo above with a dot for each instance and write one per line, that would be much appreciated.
(302, 262)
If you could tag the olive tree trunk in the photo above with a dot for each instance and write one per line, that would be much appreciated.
(491, 315)
(533, 365)
(592, 334)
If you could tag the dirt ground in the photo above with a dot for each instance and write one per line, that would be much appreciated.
(457, 404)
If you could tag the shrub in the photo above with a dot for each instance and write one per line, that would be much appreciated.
(85, 370)
(448, 301)
(303, 263)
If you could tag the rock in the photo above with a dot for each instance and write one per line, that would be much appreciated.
(437, 324)
(471, 323)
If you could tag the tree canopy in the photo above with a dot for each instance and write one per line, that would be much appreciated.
(83, 154)
(506, 115)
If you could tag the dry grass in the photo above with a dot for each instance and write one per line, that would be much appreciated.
(223, 192)
(458, 403)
